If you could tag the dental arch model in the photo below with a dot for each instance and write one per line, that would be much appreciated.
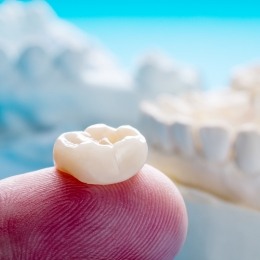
(101, 154)
(207, 141)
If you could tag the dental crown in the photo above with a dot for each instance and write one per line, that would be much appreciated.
(101, 154)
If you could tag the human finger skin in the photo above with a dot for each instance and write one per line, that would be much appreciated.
(49, 214)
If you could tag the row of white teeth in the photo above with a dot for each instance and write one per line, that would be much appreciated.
(176, 131)
(37, 56)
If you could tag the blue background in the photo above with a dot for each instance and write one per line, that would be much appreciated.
(162, 8)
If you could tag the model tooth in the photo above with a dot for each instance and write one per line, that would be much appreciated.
(157, 125)
(247, 150)
(159, 133)
(148, 114)
(154, 131)
(183, 137)
(33, 62)
(71, 62)
(215, 142)
(165, 137)
(162, 133)
(101, 154)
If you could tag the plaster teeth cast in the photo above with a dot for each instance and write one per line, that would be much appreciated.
(34, 62)
(158, 73)
(215, 142)
(101, 154)
(247, 150)
(152, 126)
(165, 136)
(183, 137)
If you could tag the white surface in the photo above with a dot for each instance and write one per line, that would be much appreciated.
(219, 230)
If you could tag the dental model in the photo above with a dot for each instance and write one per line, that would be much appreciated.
(209, 141)
(111, 205)
(54, 64)
(158, 74)
(53, 58)
(247, 78)
(101, 154)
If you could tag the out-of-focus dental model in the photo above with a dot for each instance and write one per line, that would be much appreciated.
(55, 78)
(210, 141)
(157, 73)
(52, 73)
(247, 78)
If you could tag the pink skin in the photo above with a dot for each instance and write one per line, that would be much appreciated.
(51, 215)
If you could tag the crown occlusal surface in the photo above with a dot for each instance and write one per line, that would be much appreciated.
(101, 154)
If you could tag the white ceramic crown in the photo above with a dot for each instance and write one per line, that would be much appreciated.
(101, 154)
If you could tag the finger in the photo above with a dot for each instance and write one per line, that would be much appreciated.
(51, 215)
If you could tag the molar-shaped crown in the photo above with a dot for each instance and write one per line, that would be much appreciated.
(101, 154)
